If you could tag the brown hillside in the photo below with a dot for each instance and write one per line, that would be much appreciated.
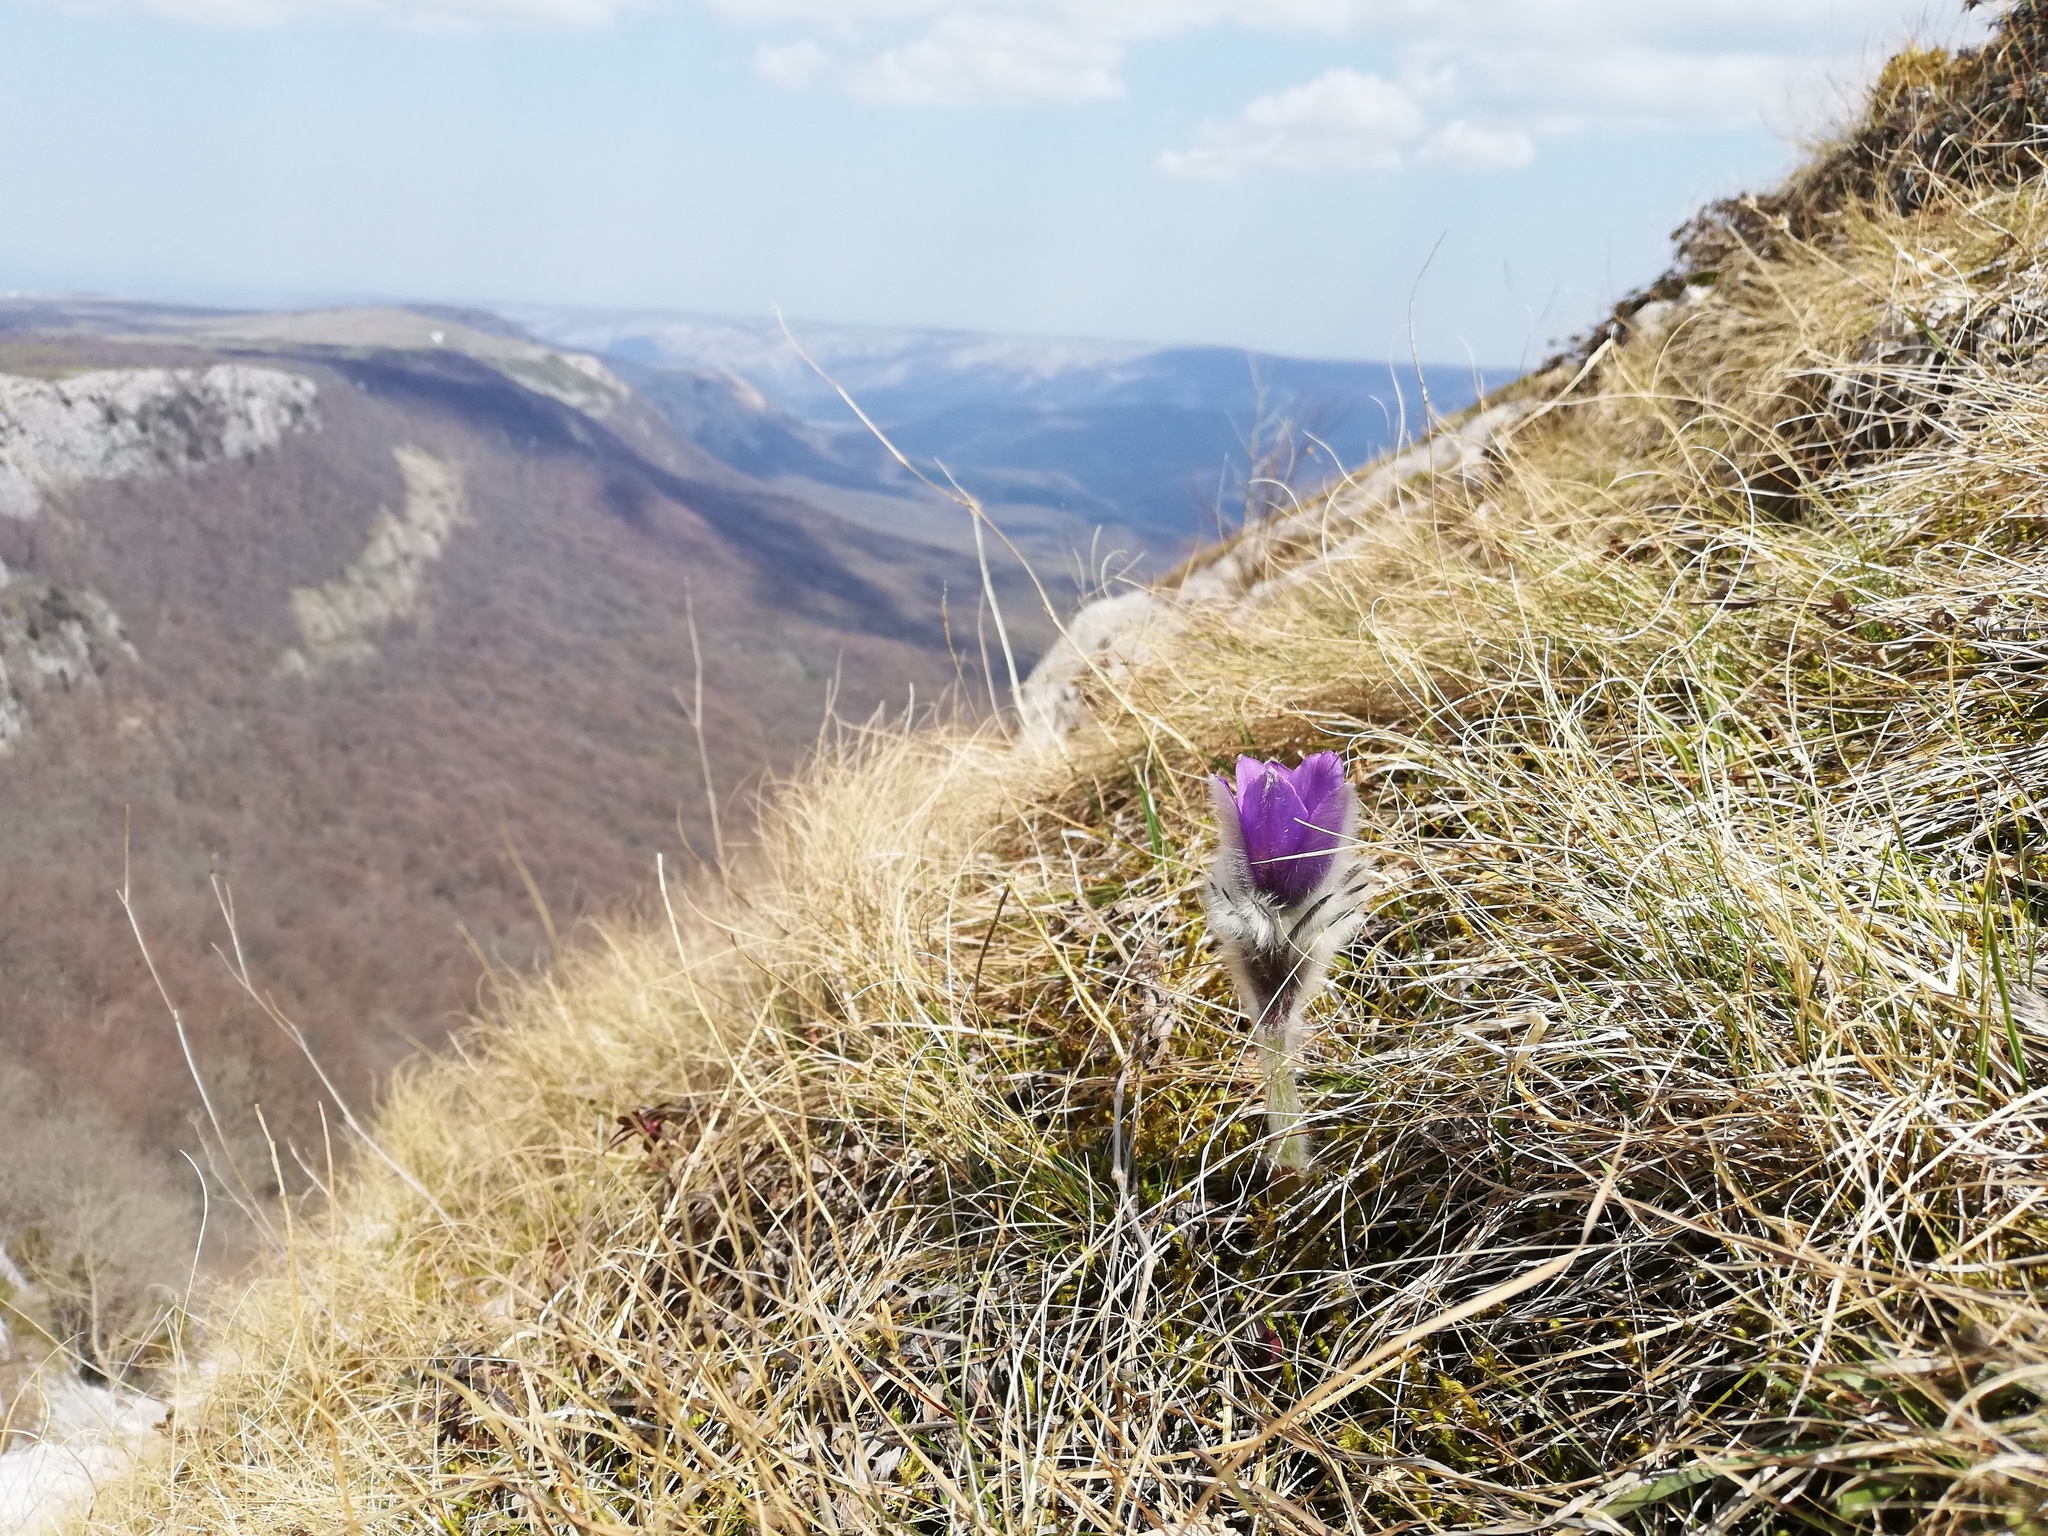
(362, 810)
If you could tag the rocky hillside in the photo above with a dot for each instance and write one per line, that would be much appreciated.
(1677, 1121)
(378, 627)
(374, 627)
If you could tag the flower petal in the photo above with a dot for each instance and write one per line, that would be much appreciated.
(1233, 865)
(1251, 772)
(1320, 783)
(1266, 809)
(1290, 822)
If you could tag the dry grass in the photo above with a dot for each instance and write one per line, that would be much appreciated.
(109, 1247)
(1682, 1144)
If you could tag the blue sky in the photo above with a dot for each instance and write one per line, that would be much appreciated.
(1266, 173)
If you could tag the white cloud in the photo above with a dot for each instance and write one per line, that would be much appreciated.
(1127, 19)
(972, 52)
(1463, 145)
(960, 61)
(1495, 79)
(412, 15)
(1468, 84)
(794, 66)
(1463, 84)
(1628, 85)
(1340, 121)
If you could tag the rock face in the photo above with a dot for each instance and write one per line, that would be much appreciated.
(52, 640)
(1912, 369)
(576, 379)
(113, 424)
(340, 619)
(88, 1436)
(1108, 639)
(60, 1438)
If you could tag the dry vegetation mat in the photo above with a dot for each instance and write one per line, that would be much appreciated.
(1679, 1108)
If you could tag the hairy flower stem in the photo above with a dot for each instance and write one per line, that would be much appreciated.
(1287, 1143)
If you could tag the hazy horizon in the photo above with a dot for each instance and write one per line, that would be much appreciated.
(509, 310)
(1310, 178)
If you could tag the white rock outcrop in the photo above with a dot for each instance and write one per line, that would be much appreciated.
(52, 640)
(1108, 639)
(1655, 319)
(88, 1436)
(117, 423)
(62, 1439)
(576, 379)
(340, 620)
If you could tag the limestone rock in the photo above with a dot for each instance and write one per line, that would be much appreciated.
(576, 379)
(1656, 318)
(339, 621)
(87, 1436)
(1904, 377)
(117, 423)
(52, 640)
(1109, 638)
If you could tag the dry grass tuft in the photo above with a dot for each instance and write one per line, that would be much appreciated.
(1937, 125)
(1682, 1145)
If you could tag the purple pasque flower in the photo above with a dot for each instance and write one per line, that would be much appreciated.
(1282, 900)
(1291, 822)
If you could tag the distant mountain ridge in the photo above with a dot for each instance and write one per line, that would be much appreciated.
(1157, 440)
(1075, 444)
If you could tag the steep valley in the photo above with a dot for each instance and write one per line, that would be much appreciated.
(388, 650)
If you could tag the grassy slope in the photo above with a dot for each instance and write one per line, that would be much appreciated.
(376, 820)
(1700, 756)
